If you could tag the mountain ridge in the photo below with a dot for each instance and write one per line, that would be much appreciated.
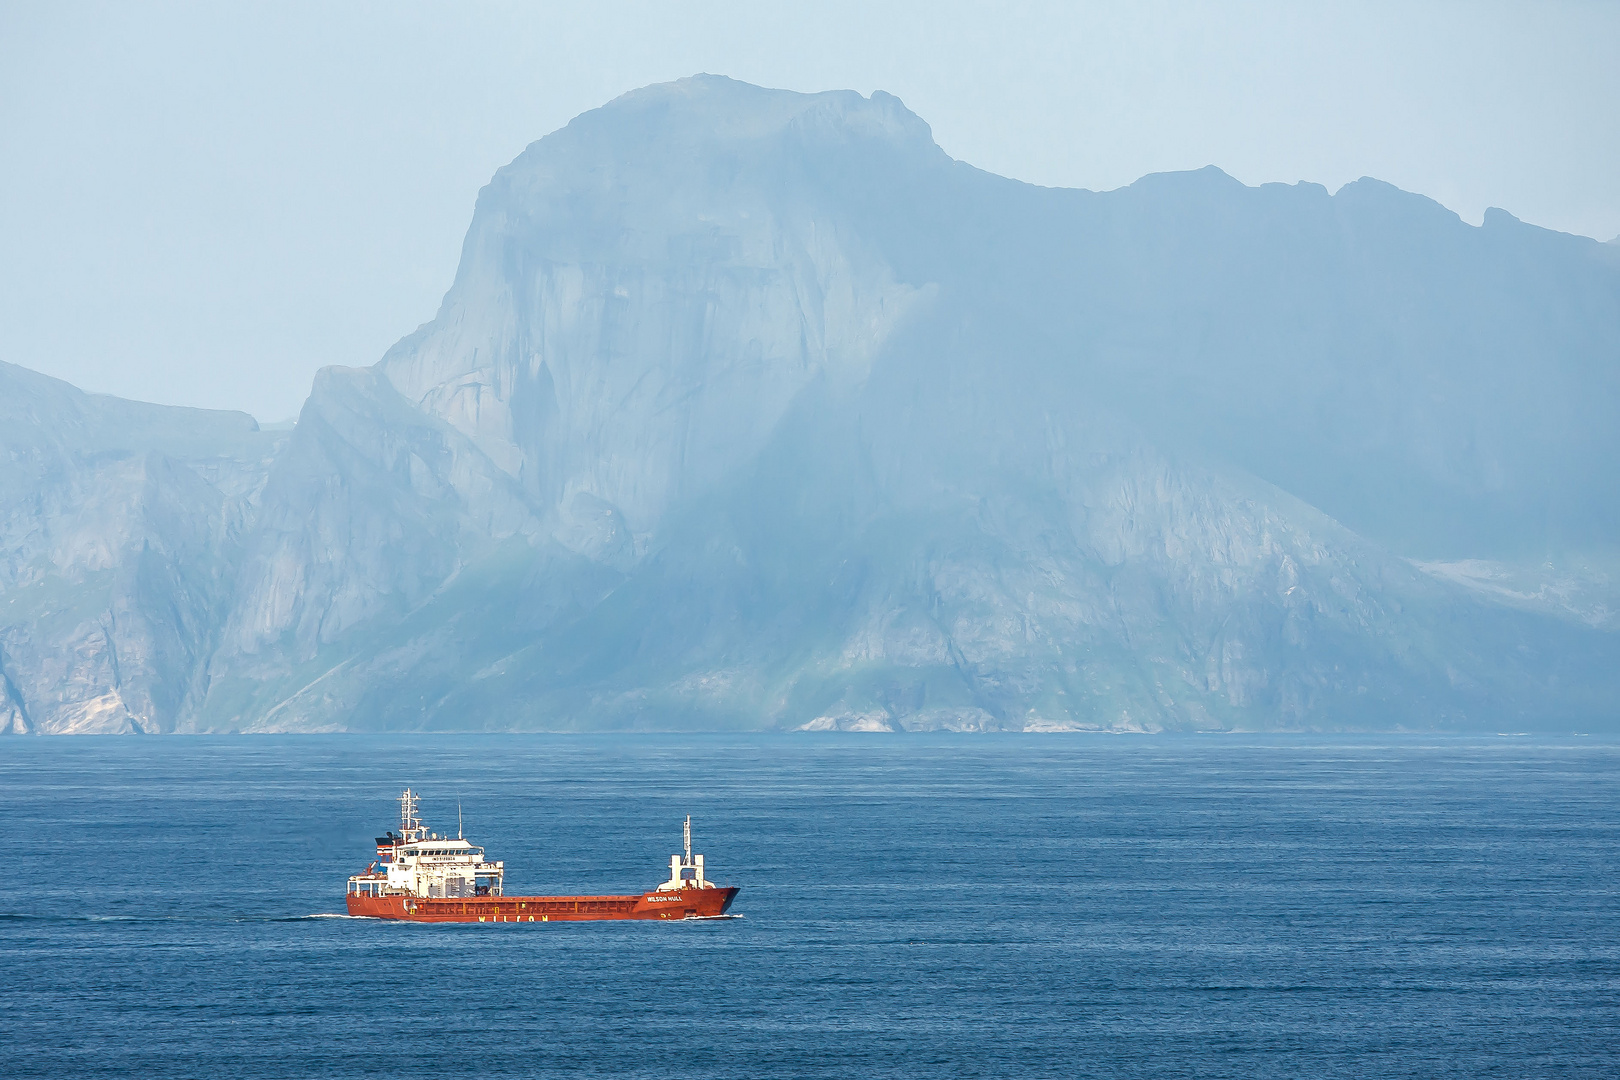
(750, 408)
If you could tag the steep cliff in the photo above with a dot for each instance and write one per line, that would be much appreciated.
(119, 524)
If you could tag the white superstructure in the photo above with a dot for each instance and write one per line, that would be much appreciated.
(686, 871)
(420, 863)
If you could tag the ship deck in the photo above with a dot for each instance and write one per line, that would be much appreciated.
(682, 904)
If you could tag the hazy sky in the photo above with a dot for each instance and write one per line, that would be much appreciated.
(202, 204)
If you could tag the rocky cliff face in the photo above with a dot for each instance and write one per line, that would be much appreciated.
(119, 524)
(752, 408)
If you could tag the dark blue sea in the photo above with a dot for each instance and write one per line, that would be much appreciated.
(972, 906)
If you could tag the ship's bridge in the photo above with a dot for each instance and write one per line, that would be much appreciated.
(416, 862)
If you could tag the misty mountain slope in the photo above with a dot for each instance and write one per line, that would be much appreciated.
(118, 526)
(667, 313)
(752, 408)
(370, 509)
(1057, 574)
(1447, 390)
(1439, 387)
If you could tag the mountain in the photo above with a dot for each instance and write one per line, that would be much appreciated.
(119, 526)
(752, 408)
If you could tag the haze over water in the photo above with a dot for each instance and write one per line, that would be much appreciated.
(1016, 906)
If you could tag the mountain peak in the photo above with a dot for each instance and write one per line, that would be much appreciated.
(708, 114)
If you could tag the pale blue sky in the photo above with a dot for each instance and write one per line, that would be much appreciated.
(202, 204)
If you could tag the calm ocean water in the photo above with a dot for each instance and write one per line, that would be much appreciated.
(914, 907)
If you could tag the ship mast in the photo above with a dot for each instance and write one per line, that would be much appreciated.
(686, 871)
(410, 826)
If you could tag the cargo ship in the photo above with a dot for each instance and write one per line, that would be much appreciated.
(420, 876)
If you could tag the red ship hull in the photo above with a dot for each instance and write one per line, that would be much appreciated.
(684, 904)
